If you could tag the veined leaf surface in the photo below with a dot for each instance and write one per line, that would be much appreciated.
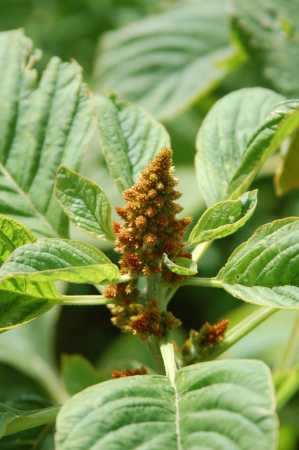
(60, 259)
(130, 139)
(220, 404)
(85, 203)
(165, 62)
(223, 219)
(42, 125)
(265, 269)
(238, 134)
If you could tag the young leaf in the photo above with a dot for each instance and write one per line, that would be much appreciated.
(269, 32)
(167, 61)
(265, 270)
(12, 235)
(13, 420)
(59, 259)
(85, 203)
(130, 139)
(287, 178)
(180, 266)
(220, 404)
(223, 219)
(78, 373)
(42, 125)
(238, 134)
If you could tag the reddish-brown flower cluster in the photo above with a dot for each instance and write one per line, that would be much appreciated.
(129, 372)
(150, 229)
(151, 321)
(211, 334)
(150, 226)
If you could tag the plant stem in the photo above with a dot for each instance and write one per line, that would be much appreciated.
(85, 300)
(290, 348)
(200, 281)
(200, 250)
(154, 347)
(238, 332)
(288, 389)
(34, 419)
(167, 352)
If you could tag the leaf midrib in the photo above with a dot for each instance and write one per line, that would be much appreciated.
(27, 199)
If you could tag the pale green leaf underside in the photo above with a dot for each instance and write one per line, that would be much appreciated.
(13, 420)
(180, 266)
(269, 32)
(42, 125)
(265, 269)
(237, 135)
(223, 219)
(130, 139)
(165, 62)
(227, 405)
(85, 203)
(60, 259)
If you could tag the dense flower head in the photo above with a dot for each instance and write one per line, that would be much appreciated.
(150, 229)
(150, 224)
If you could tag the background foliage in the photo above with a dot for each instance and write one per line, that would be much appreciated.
(176, 59)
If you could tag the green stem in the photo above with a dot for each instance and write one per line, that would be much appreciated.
(290, 348)
(238, 332)
(32, 420)
(200, 281)
(85, 300)
(167, 352)
(288, 389)
(154, 347)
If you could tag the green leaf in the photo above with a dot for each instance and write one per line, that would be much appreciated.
(59, 259)
(12, 235)
(85, 203)
(238, 134)
(20, 301)
(130, 139)
(223, 219)
(180, 266)
(42, 125)
(265, 270)
(13, 420)
(269, 32)
(220, 404)
(287, 178)
(78, 373)
(167, 61)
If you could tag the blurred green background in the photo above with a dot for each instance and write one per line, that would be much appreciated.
(72, 29)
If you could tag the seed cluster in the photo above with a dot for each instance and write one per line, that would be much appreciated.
(150, 229)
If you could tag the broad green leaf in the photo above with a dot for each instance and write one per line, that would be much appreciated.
(180, 266)
(265, 270)
(78, 373)
(269, 32)
(240, 131)
(85, 203)
(223, 219)
(287, 177)
(217, 405)
(130, 139)
(59, 259)
(13, 420)
(42, 125)
(12, 235)
(20, 301)
(167, 61)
